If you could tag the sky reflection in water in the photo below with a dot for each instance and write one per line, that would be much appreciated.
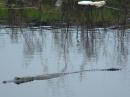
(36, 51)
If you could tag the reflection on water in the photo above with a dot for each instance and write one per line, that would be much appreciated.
(90, 45)
(65, 44)
(40, 38)
(52, 49)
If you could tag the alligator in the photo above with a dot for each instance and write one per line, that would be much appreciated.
(19, 80)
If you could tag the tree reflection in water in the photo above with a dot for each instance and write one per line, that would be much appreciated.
(67, 45)
(77, 36)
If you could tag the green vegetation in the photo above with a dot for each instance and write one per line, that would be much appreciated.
(46, 11)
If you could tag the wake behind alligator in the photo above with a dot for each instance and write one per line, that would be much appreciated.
(19, 80)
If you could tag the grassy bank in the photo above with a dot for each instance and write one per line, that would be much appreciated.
(46, 11)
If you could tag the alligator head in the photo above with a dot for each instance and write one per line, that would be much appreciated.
(18, 80)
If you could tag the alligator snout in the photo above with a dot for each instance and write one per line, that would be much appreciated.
(18, 80)
(5, 82)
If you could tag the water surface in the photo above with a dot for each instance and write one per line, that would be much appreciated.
(34, 51)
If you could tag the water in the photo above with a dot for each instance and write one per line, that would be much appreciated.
(44, 50)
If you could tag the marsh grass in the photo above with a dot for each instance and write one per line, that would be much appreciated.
(70, 12)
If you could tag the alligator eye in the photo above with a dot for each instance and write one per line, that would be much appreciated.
(17, 78)
(17, 83)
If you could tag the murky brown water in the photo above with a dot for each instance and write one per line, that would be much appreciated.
(43, 50)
